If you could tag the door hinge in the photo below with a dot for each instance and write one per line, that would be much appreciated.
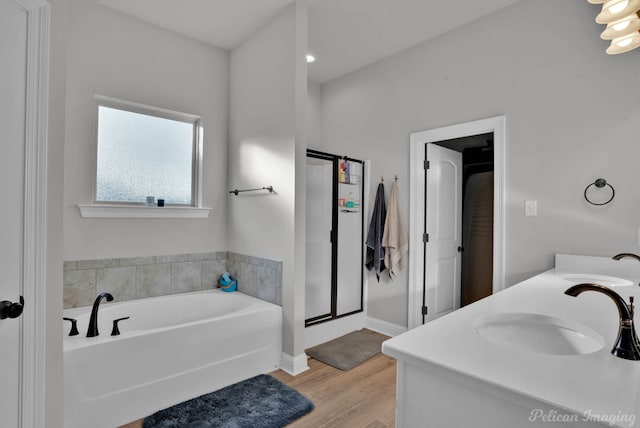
(424, 310)
(425, 237)
(427, 164)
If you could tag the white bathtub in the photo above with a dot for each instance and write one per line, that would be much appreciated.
(171, 349)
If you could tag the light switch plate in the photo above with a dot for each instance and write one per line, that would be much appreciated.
(530, 208)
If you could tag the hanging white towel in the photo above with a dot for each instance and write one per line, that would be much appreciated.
(394, 239)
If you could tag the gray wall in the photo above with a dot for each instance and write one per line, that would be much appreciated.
(571, 116)
(267, 84)
(314, 140)
(111, 54)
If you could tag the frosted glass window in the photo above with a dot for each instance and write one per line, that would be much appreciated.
(142, 155)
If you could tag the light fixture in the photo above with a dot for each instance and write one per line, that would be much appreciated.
(615, 10)
(624, 44)
(622, 18)
(623, 27)
(310, 58)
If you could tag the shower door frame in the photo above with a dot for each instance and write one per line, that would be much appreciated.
(333, 315)
(333, 237)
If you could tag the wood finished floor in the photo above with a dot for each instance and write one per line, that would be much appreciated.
(363, 397)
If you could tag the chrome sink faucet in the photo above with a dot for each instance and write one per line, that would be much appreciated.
(623, 255)
(627, 345)
(93, 321)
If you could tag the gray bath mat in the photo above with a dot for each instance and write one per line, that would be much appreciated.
(259, 402)
(348, 351)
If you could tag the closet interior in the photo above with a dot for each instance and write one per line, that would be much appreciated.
(477, 215)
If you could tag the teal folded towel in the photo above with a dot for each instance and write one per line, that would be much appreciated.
(227, 283)
(226, 279)
(231, 287)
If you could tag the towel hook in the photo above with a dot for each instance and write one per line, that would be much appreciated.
(600, 183)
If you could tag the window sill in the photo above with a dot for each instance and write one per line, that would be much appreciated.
(134, 211)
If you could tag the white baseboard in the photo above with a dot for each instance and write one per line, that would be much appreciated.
(293, 365)
(384, 327)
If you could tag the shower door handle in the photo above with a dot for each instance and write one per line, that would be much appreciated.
(9, 309)
(460, 249)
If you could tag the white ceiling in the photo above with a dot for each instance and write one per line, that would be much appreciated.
(343, 34)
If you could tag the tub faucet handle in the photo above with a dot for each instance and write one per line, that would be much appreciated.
(115, 331)
(74, 326)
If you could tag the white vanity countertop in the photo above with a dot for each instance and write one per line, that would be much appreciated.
(598, 383)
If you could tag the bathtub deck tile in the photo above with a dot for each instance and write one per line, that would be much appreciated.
(197, 257)
(278, 296)
(273, 264)
(186, 276)
(222, 255)
(151, 276)
(153, 280)
(136, 261)
(267, 294)
(79, 288)
(212, 270)
(97, 264)
(174, 258)
(237, 257)
(233, 268)
(248, 279)
(119, 281)
(266, 284)
(258, 261)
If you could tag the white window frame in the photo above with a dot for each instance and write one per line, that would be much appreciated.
(139, 210)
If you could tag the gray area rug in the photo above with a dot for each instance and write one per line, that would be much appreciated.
(348, 351)
(259, 402)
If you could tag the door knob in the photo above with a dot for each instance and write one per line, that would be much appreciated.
(9, 309)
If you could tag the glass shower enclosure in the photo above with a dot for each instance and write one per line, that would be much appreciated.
(334, 237)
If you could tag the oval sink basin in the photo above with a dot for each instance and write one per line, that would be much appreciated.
(607, 281)
(541, 334)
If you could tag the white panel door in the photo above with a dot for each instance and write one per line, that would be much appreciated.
(444, 228)
(13, 64)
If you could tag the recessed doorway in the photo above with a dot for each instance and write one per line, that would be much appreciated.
(475, 280)
(456, 224)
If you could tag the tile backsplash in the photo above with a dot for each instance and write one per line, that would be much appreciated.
(140, 277)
